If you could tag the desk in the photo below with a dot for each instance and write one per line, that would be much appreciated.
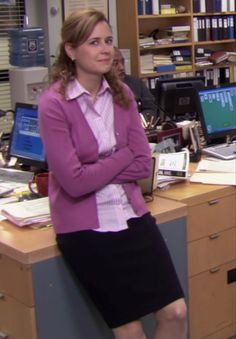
(211, 243)
(40, 299)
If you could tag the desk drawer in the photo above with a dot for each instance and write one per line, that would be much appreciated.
(17, 321)
(211, 217)
(226, 333)
(212, 301)
(211, 251)
(16, 280)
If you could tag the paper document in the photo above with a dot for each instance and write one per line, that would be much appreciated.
(214, 178)
(15, 187)
(27, 212)
(220, 172)
(4, 190)
(10, 174)
(228, 166)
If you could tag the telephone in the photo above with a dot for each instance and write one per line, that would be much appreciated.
(195, 143)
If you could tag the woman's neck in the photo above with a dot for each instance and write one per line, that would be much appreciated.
(91, 84)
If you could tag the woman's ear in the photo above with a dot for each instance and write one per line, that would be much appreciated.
(69, 51)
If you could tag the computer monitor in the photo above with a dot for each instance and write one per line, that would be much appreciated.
(217, 112)
(176, 98)
(25, 142)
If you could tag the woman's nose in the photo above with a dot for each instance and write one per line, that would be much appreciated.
(105, 47)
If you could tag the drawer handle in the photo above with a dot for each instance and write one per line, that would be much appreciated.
(214, 236)
(213, 202)
(3, 335)
(1, 297)
(214, 270)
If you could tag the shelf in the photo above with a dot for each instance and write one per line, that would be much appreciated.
(163, 16)
(155, 74)
(214, 14)
(184, 44)
(226, 65)
(214, 42)
(131, 26)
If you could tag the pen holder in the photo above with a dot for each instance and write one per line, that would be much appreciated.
(195, 156)
(39, 184)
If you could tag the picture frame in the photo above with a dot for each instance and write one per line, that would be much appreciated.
(174, 133)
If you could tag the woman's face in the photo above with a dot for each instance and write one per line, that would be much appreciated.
(95, 55)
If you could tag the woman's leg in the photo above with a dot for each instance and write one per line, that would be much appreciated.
(171, 324)
(172, 321)
(132, 330)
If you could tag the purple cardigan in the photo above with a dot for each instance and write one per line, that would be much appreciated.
(77, 172)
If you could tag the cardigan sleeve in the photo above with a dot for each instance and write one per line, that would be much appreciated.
(137, 142)
(75, 177)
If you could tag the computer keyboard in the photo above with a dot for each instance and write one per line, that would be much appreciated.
(222, 151)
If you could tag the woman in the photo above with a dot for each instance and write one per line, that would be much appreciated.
(96, 150)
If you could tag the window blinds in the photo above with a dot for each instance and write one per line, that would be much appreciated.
(73, 5)
(11, 15)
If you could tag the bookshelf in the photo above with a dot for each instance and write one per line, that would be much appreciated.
(131, 25)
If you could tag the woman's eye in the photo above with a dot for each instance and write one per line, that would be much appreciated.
(93, 42)
(109, 41)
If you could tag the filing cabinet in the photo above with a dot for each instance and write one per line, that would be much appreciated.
(17, 311)
(211, 242)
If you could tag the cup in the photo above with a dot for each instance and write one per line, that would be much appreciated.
(39, 184)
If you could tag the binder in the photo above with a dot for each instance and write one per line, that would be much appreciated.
(201, 29)
(225, 28)
(181, 58)
(208, 28)
(200, 73)
(224, 5)
(214, 28)
(213, 6)
(148, 7)
(195, 28)
(216, 76)
(231, 5)
(140, 7)
(152, 83)
(181, 52)
(209, 77)
(220, 28)
(224, 75)
(200, 51)
(203, 6)
(231, 27)
(155, 7)
(216, 5)
(196, 6)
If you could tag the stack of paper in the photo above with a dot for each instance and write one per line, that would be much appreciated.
(217, 172)
(146, 62)
(4, 190)
(28, 212)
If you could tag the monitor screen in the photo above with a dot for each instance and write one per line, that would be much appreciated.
(26, 144)
(176, 98)
(217, 112)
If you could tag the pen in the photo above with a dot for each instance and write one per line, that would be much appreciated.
(143, 120)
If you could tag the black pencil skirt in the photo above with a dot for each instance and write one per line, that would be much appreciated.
(127, 274)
